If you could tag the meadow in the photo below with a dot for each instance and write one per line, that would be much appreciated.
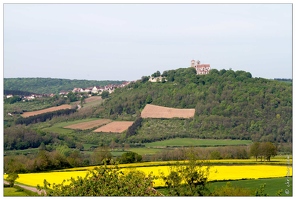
(196, 142)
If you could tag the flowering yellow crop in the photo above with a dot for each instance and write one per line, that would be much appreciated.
(216, 173)
(227, 172)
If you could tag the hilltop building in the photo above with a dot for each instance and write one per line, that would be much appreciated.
(200, 68)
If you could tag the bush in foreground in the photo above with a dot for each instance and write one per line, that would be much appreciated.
(105, 181)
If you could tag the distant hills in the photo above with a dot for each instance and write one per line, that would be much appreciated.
(50, 85)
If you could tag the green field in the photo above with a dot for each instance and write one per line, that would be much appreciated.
(178, 142)
(273, 185)
(141, 151)
(13, 192)
(19, 152)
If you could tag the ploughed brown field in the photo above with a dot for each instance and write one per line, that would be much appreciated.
(115, 127)
(153, 111)
(89, 125)
(51, 109)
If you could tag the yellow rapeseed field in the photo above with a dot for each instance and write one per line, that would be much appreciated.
(233, 172)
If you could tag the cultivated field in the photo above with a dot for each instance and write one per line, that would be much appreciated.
(115, 127)
(89, 125)
(55, 108)
(232, 172)
(153, 111)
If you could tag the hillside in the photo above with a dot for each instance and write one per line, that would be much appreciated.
(50, 85)
(228, 105)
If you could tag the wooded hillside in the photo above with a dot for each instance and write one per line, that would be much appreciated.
(227, 103)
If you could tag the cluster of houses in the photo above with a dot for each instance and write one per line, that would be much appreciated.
(91, 90)
(29, 97)
(97, 89)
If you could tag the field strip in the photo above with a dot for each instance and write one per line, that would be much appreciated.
(153, 111)
(115, 127)
(89, 125)
(51, 109)
(94, 98)
(234, 172)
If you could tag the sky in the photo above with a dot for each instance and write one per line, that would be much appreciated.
(128, 41)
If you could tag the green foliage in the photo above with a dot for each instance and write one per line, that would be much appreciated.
(11, 178)
(272, 188)
(188, 179)
(229, 190)
(229, 105)
(105, 94)
(44, 116)
(12, 100)
(50, 85)
(106, 181)
(100, 155)
(263, 149)
(261, 191)
(130, 157)
(215, 155)
(132, 130)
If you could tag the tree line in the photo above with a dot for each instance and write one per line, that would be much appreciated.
(43, 117)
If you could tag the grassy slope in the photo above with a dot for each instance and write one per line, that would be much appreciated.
(272, 185)
(13, 192)
(59, 127)
(197, 142)
(271, 188)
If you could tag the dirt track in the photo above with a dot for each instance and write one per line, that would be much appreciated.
(29, 188)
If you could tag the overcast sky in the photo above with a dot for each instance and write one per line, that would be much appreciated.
(127, 41)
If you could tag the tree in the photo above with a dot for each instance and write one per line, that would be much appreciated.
(267, 150)
(130, 157)
(263, 149)
(255, 150)
(11, 178)
(105, 94)
(101, 154)
(144, 79)
(188, 178)
(106, 181)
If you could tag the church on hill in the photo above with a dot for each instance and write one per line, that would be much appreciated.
(200, 68)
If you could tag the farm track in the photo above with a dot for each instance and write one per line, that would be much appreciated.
(33, 189)
(153, 111)
(51, 109)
